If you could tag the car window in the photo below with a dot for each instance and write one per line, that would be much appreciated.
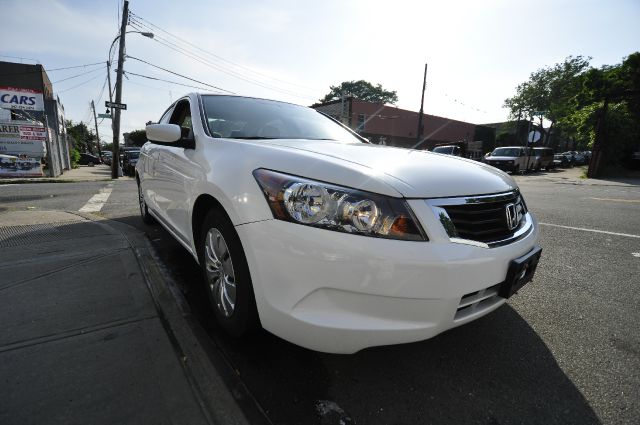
(182, 117)
(506, 152)
(165, 117)
(238, 117)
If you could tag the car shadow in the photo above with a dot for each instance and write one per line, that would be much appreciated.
(496, 370)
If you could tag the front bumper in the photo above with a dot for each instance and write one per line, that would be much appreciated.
(502, 165)
(340, 293)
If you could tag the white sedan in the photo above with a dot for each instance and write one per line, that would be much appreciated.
(323, 239)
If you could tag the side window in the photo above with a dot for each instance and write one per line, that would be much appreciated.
(165, 117)
(182, 117)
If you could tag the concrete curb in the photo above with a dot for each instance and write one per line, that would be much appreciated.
(222, 396)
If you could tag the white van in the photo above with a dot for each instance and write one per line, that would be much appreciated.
(512, 158)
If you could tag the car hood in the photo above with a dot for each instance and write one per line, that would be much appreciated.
(412, 173)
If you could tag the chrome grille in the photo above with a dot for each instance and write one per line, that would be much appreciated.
(486, 220)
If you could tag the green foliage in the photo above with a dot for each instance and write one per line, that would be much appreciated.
(549, 89)
(75, 158)
(362, 90)
(573, 95)
(84, 139)
(138, 137)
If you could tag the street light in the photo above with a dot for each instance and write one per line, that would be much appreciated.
(115, 116)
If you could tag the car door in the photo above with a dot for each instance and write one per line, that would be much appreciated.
(175, 173)
(149, 157)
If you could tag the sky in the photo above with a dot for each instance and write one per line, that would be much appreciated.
(477, 51)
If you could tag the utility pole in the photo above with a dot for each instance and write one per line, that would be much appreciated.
(115, 112)
(424, 86)
(95, 120)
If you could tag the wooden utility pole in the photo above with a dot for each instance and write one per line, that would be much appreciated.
(115, 112)
(424, 86)
(95, 121)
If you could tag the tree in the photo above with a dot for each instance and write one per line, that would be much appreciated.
(138, 137)
(549, 90)
(362, 90)
(84, 138)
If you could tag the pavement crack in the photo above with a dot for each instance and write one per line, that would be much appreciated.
(73, 333)
(59, 269)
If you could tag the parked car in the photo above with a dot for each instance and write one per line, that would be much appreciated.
(326, 240)
(106, 157)
(88, 159)
(543, 158)
(578, 158)
(562, 160)
(448, 150)
(130, 158)
(511, 158)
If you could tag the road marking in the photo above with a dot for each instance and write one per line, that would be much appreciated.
(591, 230)
(97, 201)
(618, 200)
(636, 254)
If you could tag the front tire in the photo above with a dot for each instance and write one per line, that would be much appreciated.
(226, 275)
(144, 210)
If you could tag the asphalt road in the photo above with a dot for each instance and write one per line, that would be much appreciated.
(566, 349)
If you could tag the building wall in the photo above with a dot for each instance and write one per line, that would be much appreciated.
(393, 126)
(34, 77)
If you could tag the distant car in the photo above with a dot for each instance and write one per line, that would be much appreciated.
(511, 158)
(448, 150)
(88, 159)
(562, 160)
(544, 158)
(129, 161)
(106, 157)
(578, 158)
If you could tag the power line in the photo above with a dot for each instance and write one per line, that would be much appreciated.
(75, 66)
(180, 75)
(78, 85)
(166, 81)
(137, 21)
(77, 75)
(51, 70)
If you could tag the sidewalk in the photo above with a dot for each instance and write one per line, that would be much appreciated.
(91, 333)
(83, 173)
(574, 176)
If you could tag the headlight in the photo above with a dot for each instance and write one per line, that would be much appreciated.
(336, 208)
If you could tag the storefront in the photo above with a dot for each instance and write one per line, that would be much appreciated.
(22, 149)
(32, 136)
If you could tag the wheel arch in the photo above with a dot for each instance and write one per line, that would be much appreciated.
(203, 204)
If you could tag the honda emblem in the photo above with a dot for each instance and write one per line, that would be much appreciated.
(512, 216)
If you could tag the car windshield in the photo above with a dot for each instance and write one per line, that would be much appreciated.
(506, 152)
(133, 155)
(249, 118)
(444, 149)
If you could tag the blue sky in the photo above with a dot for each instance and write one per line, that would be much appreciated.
(477, 51)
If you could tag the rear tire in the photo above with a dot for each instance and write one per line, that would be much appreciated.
(226, 275)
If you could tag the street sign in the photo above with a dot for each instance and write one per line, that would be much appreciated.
(115, 105)
(540, 113)
(107, 116)
(534, 136)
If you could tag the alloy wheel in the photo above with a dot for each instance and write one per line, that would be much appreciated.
(221, 281)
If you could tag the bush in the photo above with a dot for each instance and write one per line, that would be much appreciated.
(75, 158)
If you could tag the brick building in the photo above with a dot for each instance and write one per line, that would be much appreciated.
(388, 125)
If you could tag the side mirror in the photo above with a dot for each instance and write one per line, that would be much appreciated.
(163, 133)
